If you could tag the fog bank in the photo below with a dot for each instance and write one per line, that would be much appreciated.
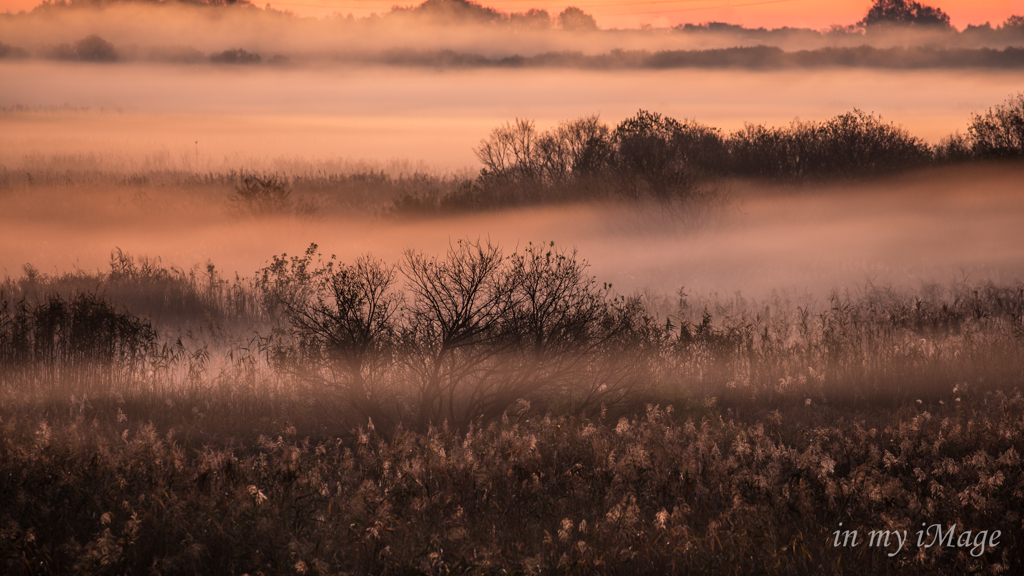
(941, 226)
(134, 111)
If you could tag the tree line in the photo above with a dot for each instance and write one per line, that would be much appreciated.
(650, 155)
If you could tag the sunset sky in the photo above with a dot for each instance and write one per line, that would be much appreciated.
(623, 14)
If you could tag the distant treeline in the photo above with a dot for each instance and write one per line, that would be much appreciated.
(883, 15)
(756, 57)
(96, 49)
(653, 156)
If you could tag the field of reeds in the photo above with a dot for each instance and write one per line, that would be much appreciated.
(490, 411)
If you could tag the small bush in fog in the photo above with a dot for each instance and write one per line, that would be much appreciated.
(8, 51)
(345, 319)
(89, 49)
(263, 194)
(95, 49)
(236, 56)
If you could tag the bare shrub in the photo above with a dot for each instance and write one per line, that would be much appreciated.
(476, 332)
(344, 318)
(509, 153)
(262, 195)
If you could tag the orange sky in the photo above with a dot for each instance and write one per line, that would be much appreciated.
(629, 14)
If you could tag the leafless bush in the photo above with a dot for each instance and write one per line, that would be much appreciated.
(477, 332)
(262, 195)
(344, 318)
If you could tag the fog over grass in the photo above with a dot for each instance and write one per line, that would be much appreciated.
(942, 226)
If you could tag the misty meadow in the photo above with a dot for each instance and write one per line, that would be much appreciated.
(448, 289)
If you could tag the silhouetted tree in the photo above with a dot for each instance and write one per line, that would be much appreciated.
(95, 49)
(663, 155)
(574, 150)
(343, 316)
(236, 56)
(509, 153)
(999, 133)
(452, 12)
(576, 20)
(905, 13)
(263, 195)
(532, 19)
(1015, 23)
(454, 335)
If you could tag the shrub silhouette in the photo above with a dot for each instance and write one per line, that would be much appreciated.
(262, 194)
(999, 133)
(522, 165)
(849, 145)
(95, 49)
(664, 156)
(344, 317)
(905, 13)
(510, 153)
(475, 332)
(236, 56)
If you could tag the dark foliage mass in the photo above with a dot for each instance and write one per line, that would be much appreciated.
(904, 13)
(652, 156)
(999, 132)
(8, 51)
(262, 194)
(66, 334)
(236, 56)
(655, 494)
(89, 49)
(747, 57)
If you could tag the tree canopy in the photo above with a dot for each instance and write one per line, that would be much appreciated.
(905, 13)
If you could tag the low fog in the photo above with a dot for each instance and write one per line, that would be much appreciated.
(944, 226)
(134, 116)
